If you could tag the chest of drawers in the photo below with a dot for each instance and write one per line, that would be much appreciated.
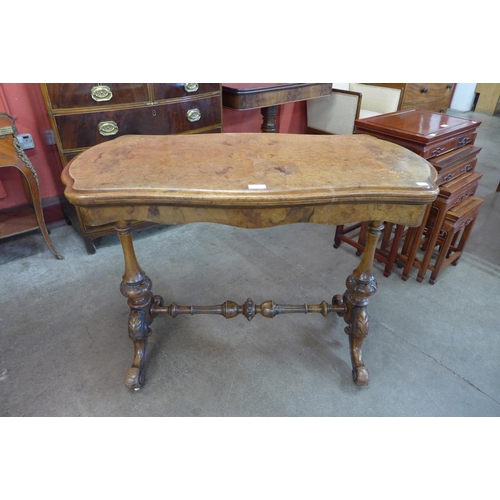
(424, 96)
(428, 96)
(85, 114)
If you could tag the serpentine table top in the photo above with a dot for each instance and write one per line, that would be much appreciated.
(250, 181)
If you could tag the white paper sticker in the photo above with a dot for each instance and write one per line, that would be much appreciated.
(257, 186)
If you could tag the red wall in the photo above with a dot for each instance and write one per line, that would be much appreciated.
(24, 102)
(291, 119)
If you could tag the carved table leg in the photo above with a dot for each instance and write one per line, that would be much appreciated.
(31, 178)
(136, 286)
(360, 286)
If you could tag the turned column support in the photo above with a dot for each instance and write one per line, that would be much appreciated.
(361, 285)
(269, 114)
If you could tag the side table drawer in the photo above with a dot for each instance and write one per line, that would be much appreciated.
(83, 95)
(84, 130)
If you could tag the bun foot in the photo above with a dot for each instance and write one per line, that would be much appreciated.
(360, 375)
(134, 379)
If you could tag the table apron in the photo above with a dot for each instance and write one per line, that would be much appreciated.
(255, 217)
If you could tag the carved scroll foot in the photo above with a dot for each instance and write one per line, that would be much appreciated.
(360, 286)
(134, 379)
(360, 376)
(139, 331)
(357, 331)
(140, 318)
(136, 286)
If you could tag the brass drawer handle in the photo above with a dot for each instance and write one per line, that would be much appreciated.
(108, 128)
(193, 115)
(191, 87)
(101, 93)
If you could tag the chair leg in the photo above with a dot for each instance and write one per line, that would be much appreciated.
(394, 250)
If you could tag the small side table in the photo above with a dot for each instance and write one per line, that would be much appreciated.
(269, 96)
(12, 155)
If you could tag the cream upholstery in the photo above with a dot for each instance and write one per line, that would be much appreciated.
(337, 112)
(376, 100)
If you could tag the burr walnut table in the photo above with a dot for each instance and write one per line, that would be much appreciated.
(249, 181)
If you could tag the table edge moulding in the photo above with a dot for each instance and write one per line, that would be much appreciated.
(249, 181)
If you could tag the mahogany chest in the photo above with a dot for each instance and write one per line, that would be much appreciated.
(85, 114)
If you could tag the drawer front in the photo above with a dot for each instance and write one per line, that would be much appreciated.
(459, 189)
(449, 144)
(87, 129)
(164, 91)
(425, 95)
(82, 95)
(463, 194)
(446, 175)
(453, 158)
(427, 151)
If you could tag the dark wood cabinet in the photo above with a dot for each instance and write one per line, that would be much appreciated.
(85, 114)
(428, 96)
(434, 97)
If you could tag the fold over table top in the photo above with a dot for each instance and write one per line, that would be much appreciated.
(248, 170)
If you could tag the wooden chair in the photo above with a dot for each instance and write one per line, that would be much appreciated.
(337, 112)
